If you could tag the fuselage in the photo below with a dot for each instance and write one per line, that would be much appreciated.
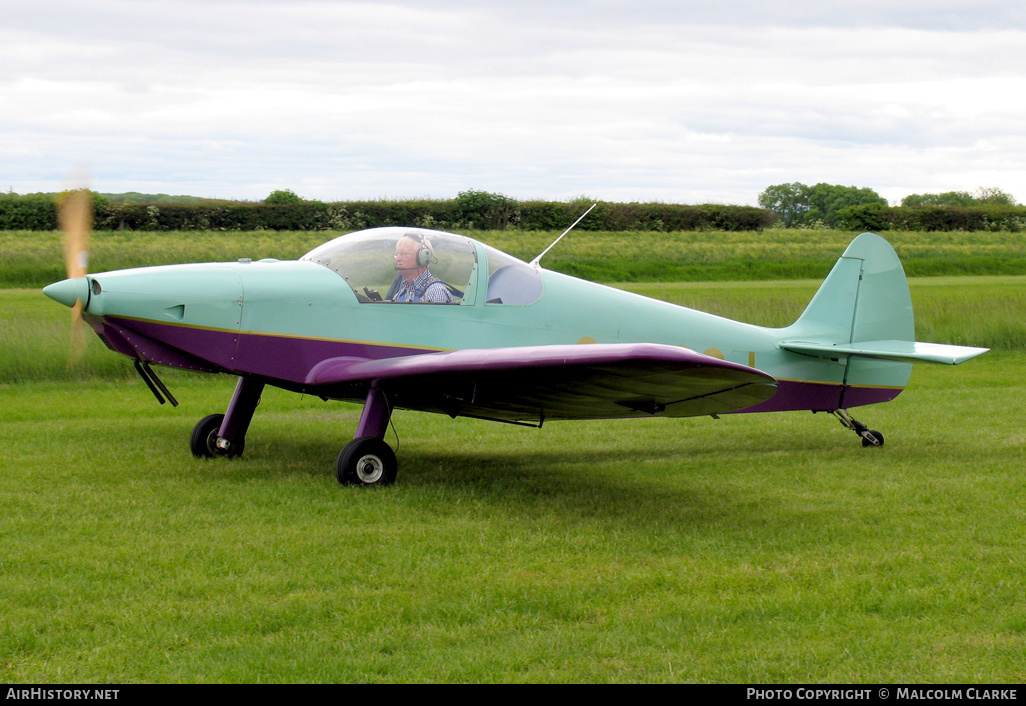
(275, 320)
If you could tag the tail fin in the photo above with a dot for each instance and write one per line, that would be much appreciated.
(864, 311)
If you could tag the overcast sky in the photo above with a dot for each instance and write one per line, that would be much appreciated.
(677, 101)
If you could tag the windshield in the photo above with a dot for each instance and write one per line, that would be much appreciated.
(401, 265)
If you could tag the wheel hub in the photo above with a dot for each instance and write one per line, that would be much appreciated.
(369, 469)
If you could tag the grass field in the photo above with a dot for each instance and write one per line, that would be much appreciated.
(756, 548)
(761, 548)
(34, 259)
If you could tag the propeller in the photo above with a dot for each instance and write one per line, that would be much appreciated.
(75, 216)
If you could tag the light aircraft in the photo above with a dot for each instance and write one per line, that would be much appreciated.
(513, 342)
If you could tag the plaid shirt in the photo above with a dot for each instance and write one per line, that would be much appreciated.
(425, 288)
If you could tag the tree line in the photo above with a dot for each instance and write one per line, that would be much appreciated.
(852, 208)
(791, 205)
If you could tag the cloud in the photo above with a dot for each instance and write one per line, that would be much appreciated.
(672, 101)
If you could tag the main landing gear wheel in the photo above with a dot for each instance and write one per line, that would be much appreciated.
(366, 461)
(204, 440)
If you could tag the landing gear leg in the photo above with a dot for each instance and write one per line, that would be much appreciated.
(367, 459)
(225, 434)
(870, 437)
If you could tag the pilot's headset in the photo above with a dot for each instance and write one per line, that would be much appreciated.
(426, 253)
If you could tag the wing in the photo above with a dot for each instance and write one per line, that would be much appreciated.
(533, 384)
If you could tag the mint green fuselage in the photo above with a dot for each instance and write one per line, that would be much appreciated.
(281, 307)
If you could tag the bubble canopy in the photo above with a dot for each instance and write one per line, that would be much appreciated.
(366, 261)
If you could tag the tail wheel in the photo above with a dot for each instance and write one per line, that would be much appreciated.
(871, 437)
(366, 461)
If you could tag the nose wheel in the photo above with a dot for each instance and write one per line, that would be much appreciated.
(870, 437)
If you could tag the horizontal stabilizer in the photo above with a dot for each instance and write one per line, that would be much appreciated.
(888, 350)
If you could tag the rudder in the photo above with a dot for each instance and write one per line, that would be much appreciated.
(864, 299)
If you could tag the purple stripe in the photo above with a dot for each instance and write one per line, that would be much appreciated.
(150, 346)
(802, 396)
(276, 357)
(290, 360)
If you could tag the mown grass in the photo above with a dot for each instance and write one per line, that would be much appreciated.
(973, 311)
(749, 549)
(757, 255)
(34, 259)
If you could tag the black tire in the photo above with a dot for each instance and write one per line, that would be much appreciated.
(366, 461)
(204, 439)
(879, 437)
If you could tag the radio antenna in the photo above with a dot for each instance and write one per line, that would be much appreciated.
(534, 262)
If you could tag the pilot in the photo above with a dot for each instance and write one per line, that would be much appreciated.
(415, 283)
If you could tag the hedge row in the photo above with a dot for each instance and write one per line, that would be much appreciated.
(39, 212)
(483, 211)
(933, 218)
(32, 212)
